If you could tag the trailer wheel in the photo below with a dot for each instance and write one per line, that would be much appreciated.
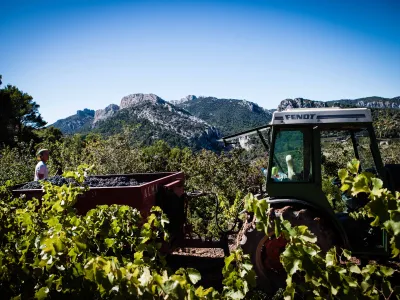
(265, 250)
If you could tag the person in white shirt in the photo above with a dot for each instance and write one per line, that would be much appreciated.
(41, 171)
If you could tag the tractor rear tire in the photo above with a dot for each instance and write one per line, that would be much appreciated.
(265, 250)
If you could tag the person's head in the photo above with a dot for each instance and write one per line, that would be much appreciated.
(43, 155)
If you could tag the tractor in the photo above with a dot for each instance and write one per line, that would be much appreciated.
(294, 141)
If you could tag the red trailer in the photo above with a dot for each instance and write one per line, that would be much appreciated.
(165, 190)
(141, 197)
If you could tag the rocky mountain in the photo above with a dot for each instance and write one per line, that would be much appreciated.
(102, 114)
(229, 115)
(80, 122)
(149, 118)
(370, 102)
(197, 122)
(183, 100)
(300, 103)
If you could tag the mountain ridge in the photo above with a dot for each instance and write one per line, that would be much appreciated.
(148, 118)
(194, 121)
(229, 115)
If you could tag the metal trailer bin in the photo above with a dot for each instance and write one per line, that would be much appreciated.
(164, 189)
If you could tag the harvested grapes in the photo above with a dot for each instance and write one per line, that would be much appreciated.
(90, 181)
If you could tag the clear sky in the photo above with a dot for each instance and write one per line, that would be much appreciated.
(71, 55)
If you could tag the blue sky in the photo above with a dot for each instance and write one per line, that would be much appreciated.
(71, 55)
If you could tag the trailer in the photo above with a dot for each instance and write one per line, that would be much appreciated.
(164, 189)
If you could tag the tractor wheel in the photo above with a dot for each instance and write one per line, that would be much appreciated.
(265, 250)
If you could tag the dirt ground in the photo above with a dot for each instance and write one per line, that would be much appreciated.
(208, 261)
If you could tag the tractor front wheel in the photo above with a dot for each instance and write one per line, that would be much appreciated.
(265, 250)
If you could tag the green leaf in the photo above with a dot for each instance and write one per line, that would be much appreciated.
(292, 265)
(343, 173)
(353, 166)
(345, 187)
(386, 271)
(247, 266)
(228, 260)
(164, 220)
(360, 185)
(369, 269)
(194, 275)
(171, 288)
(202, 293)
(395, 221)
(109, 242)
(346, 253)
(365, 286)
(334, 290)
(355, 269)
(231, 294)
(306, 234)
(395, 245)
(42, 293)
(377, 185)
(330, 258)
(146, 277)
(351, 281)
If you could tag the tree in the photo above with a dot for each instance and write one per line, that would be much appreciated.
(49, 135)
(19, 115)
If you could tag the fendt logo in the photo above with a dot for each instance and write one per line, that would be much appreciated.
(300, 117)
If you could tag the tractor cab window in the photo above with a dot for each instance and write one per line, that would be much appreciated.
(341, 146)
(338, 148)
(292, 156)
(364, 151)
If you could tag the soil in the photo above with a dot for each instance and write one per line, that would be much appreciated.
(208, 261)
(207, 252)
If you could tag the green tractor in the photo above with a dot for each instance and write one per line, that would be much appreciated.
(295, 140)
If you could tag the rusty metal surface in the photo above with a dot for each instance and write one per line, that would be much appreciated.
(141, 197)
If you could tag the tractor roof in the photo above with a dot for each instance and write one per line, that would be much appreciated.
(331, 115)
(322, 116)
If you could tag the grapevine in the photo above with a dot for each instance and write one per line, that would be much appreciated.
(383, 206)
(47, 251)
(335, 275)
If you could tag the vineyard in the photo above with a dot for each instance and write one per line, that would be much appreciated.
(50, 251)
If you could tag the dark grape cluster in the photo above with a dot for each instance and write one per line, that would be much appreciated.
(33, 185)
(56, 180)
(59, 180)
(90, 181)
(110, 181)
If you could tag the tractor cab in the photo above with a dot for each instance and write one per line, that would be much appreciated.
(299, 140)
(306, 145)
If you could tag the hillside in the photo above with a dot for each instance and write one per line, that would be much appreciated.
(300, 103)
(229, 115)
(370, 102)
(197, 122)
(81, 122)
(149, 118)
